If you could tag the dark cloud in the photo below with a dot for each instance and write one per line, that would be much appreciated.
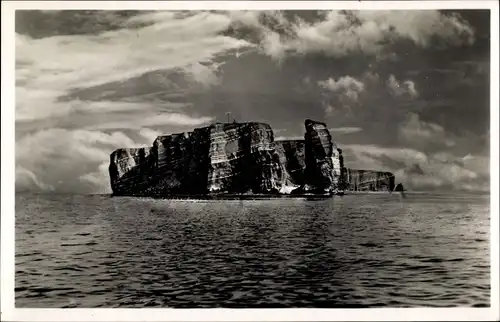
(415, 169)
(47, 23)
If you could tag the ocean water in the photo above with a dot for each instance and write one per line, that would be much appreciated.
(362, 250)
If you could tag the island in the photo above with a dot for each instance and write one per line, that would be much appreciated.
(240, 160)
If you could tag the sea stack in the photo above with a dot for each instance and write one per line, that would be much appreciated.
(319, 165)
(399, 187)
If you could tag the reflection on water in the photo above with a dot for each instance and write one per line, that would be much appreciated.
(351, 251)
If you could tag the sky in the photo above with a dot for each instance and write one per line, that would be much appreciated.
(401, 91)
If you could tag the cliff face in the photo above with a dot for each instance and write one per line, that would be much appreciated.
(319, 171)
(368, 180)
(231, 158)
(181, 162)
(292, 158)
(242, 158)
(130, 170)
(342, 181)
(239, 158)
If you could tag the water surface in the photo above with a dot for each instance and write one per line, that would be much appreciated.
(352, 251)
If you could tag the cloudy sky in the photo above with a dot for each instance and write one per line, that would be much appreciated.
(402, 91)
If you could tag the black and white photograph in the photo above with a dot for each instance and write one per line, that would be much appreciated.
(233, 158)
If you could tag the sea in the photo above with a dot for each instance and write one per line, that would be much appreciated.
(352, 251)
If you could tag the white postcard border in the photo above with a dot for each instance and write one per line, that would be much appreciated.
(10, 313)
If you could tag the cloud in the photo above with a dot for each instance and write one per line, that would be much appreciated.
(423, 27)
(421, 171)
(59, 158)
(39, 105)
(63, 140)
(47, 23)
(411, 88)
(422, 134)
(205, 75)
(148, 134)
(98, 180)
(26, 180)
(481, 164)
(154, 120)
(340, 33)
(345, 130)
(88, 60)
(265, 29)
(367, 95)
(398, 88)
(345, 85)
(342, 94)
(285, 138)
(49, 68)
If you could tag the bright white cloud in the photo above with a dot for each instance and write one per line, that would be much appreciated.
(284, 138)
(152, 120)
(148, 134)
(410, 85)
(398, 88)
(345, 130)
(89, 60)
(340, 33)
(348, 86)
(58, 158)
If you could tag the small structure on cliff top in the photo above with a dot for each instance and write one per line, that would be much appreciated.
(229, 117)
(239, 158)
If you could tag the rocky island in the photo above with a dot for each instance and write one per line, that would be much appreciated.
(239, 159)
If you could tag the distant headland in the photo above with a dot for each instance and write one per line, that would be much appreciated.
(229, 160)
